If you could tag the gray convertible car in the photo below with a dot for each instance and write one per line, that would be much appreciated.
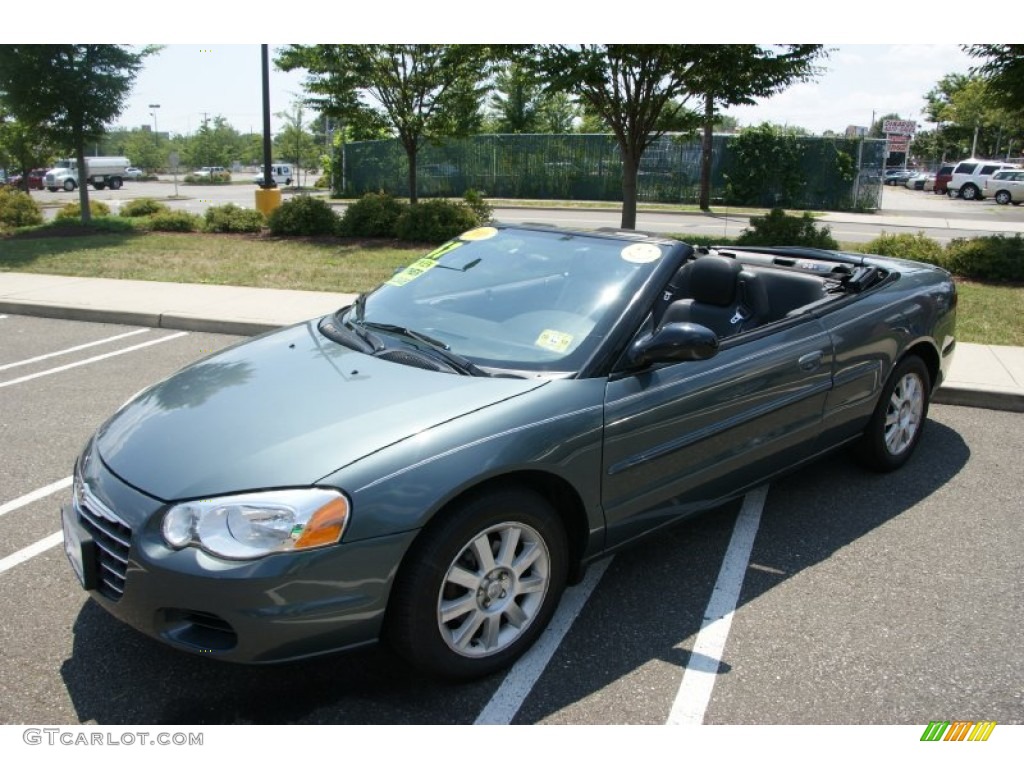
(433, 464)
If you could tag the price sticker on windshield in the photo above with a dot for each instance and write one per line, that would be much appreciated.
(413, 271)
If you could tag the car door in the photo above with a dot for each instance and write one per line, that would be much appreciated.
(681, 437)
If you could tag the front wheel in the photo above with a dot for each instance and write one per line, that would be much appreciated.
(480, 585)
(895, 427)
(1003, 197)
(69, 186)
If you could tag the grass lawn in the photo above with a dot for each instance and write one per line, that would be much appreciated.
(988, 314)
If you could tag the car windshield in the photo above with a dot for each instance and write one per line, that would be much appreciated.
(514, 299)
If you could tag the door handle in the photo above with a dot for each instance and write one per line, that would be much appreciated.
(810, 361)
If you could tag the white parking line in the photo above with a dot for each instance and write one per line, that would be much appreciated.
(39, 493)
(691, 701)
(31, 551)
(72, 349)
(524, 674)
(92, 359)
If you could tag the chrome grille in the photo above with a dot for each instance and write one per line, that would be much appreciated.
(113, 542)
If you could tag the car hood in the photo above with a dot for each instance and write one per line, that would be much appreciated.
(285, 409)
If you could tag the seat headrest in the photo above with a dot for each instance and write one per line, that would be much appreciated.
(713, 280)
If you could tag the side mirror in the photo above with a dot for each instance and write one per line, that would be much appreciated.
(674, 343)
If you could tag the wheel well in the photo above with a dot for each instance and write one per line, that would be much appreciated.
(563, 498)
(930, 356)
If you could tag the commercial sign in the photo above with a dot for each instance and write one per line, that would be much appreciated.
(899, 143)
(904, 127)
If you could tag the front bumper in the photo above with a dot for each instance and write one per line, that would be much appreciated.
(278, 608)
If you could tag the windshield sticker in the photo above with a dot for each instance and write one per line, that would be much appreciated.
(556, 341)
(480, 233)
(448, 247)
(413, 271)
(641, 253)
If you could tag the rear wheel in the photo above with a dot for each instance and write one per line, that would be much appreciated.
(895, 427)
(480, 585)
(969, 192)
(115, 183)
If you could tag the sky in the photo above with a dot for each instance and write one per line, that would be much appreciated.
(885, 56)
(190, 81)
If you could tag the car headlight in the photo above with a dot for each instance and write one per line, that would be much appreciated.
(252, 525)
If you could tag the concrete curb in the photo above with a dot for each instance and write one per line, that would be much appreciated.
(980, 396)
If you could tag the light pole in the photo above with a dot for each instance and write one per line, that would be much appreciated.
(156, 131)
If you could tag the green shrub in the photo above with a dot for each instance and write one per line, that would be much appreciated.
(434, 221)
(232, 218)
(303, 215)
(143, 206)
(373, 215)
(903, 245)
(480, 207)
(174, 221)
(778, 228)
(74, 210)
(998, 258)
(18, 209)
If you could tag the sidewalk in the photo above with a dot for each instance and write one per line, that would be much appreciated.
(983, 376)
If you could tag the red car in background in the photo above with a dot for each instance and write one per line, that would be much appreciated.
(942, 177)
(35, 179)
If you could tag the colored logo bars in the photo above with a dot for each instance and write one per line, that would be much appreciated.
(958, 730)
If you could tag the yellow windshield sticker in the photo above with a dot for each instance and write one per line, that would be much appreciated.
(448, 247)
(641, 253)
(556, 341)
(413, 271)
(480, 233)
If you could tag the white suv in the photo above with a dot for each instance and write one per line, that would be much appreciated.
(1006, 187)
(970, 175)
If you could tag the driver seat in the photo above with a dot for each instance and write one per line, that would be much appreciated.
(721, 295)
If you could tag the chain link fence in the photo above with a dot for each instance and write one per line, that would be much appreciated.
(837, 173)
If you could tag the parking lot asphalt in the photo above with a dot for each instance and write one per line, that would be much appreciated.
(983, 375)
(866, 599)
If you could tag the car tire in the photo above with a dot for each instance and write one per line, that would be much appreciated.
(480, 584)
(115, 183)
(1003, 197)
(953, 193)
(52, 189)
(896, 425)
(969, 192)
(69, 186)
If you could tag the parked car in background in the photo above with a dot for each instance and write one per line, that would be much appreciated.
(898, 176)
(432, 465)
(918, 180)
(35, 179)
(134, 173)
(969, 177)
(1006, 187)
(942, 176)
(209, 170)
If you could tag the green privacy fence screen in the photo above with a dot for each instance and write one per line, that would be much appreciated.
(834, 173)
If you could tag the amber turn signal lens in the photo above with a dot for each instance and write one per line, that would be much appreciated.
(325, 526)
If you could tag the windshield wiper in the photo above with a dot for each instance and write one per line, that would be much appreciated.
(357, 326)
(463, 364)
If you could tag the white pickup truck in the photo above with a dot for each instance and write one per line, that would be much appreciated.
(100, 172)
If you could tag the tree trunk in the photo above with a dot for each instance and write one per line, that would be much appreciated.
(83, 186)
(705, 153)
(630, 171)
(410, 153)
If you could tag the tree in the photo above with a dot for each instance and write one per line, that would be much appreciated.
(295, 144)
(631, 88)
(1003, 70)
(419, 92)
(727, 75)
(516, 100)
(23, 146)
(71, 92)
(216, 142)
